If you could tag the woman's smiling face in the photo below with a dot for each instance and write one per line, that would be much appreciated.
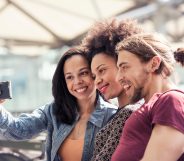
(104, 70)
(78, 77)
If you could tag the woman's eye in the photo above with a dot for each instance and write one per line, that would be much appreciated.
(84, 73)
(68, 77)
(101, 71)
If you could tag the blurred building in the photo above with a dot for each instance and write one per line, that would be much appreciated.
(35, 33)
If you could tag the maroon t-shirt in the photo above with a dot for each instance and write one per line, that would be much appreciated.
(164, 109)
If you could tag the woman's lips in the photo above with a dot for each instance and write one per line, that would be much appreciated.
(103, 89)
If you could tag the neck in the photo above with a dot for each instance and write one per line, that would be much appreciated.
(87, 106)
(158, 85)
(123, 99)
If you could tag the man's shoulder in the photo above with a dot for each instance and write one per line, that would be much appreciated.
(172, 94)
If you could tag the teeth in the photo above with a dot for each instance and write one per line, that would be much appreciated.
(81, 90)
(125, 87)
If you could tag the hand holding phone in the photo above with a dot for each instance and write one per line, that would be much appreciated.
(2, 101)
(5, 90)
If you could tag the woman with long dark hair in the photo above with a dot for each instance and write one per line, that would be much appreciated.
(72, 119)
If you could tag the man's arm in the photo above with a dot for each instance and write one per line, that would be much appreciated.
(165, 144)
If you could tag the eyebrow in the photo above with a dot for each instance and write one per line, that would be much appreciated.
(122, 63)
(100, 66)
(84, 68)
(79, 70)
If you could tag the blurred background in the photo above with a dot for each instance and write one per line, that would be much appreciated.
(35, 33)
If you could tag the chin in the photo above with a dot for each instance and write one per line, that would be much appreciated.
(137, 96)
(106, 97)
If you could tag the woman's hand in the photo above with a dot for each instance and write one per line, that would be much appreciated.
(2, 100)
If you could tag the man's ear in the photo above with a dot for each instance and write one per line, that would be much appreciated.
(154, 64)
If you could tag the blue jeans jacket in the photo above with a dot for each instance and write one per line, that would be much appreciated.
(42, 119)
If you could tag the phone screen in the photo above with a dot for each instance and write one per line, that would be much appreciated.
(5, 90)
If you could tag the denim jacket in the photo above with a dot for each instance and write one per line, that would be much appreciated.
(42, 119)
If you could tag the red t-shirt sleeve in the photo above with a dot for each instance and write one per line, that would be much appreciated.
(169, 110)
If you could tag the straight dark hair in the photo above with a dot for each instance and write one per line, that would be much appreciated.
(65, 104)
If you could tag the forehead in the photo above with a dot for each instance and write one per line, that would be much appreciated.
(127, 57)
(75, 63)
(102, 58)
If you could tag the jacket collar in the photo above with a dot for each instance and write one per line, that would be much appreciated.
(98, 114)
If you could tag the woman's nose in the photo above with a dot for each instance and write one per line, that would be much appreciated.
(77, 80)
(98, 80)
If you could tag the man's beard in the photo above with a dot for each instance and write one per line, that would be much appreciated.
(137, 95)
(138, 92)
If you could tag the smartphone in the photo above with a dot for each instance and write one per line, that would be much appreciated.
(5, 90)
